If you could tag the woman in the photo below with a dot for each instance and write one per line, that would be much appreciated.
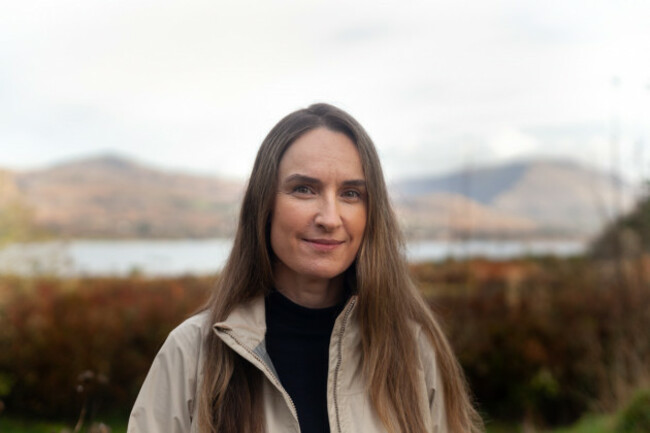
(315, 324)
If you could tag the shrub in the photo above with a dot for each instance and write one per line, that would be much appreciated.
(542, 340)
(550, 344)
(635, 417)
(628, 236)
(55, 331)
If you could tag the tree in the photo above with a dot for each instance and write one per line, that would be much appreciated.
(629, 235)
(16, 217)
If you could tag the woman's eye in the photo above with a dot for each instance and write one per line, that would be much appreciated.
(352, 194)
(302, 189)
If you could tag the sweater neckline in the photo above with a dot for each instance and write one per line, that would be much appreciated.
(287, 311)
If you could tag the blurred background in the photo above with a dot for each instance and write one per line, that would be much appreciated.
(513, 134)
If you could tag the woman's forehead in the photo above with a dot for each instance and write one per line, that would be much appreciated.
(322, 152)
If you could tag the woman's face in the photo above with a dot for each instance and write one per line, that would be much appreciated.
(319, 215)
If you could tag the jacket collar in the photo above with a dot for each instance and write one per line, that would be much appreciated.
(247, 322)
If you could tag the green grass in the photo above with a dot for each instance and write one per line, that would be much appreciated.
(12, 425)
(22, 426)
(588, 424)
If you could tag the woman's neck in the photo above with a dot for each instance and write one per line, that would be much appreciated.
(309, 292)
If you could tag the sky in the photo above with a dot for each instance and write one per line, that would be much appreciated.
(195, 85)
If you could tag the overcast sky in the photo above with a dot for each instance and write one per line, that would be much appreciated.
(195, 85)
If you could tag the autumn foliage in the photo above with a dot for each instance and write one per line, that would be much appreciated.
(546, 340)
(54, 330)
(540, 340)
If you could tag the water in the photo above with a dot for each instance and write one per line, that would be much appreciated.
(492, 249)
(200, 257)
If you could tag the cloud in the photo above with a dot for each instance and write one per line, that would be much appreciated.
(198, 85)
(508, 143)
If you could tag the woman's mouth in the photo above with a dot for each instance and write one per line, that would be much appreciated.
(324, 244)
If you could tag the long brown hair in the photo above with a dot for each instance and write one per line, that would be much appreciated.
(230, 397)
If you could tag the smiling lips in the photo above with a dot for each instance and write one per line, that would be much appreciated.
(324, 244)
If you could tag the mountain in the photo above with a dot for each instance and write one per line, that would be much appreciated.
(8, 189)
(114, 197)
(550, 197)
(110, 196)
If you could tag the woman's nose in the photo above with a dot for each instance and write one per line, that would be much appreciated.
(328, 215)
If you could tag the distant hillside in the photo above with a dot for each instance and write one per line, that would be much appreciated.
(8, 188)
(480, 184)
(113, 197)
(551, 197)
(16, 218)
(444, 215)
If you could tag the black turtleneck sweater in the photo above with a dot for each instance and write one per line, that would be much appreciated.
(297, 340)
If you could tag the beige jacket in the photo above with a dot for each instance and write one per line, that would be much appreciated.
(167, 400)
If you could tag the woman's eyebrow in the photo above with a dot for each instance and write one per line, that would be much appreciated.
(359, 183)
(301, 178)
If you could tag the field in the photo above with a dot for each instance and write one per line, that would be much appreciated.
(592, 424)
(545, 343)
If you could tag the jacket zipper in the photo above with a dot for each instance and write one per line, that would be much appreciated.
(270, 374)
(339, 361)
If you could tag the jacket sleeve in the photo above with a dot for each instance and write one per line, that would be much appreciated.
(166, 400)
(436, 403)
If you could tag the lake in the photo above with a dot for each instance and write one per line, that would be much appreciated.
(200, 257)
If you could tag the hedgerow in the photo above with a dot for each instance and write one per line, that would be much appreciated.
(541, 341)
(55, 333)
